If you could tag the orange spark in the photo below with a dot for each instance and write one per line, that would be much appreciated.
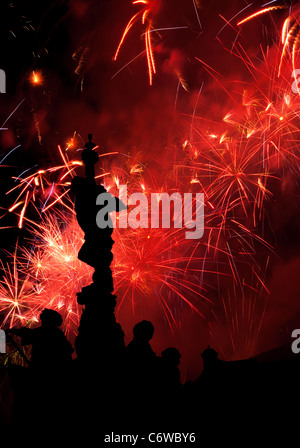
(36, 78)
(259, 13)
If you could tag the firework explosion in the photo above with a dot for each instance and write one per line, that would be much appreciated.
(148, 262)
(238, 162)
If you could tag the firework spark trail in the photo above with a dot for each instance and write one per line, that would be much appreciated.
(244, 312)
(9, 152)
(226, 160)
(39, 187)
(147, 18)
(143, 16)
(53, 265)
(235, 170)
(160, 263)
(16, 294)
(155, 261)
(11, 114)
(259, 13)
(242, 317)
(155, 264)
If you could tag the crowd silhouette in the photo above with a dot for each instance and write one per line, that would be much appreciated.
(106, 385)
(50, 347)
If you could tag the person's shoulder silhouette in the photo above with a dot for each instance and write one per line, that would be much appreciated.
(139, 348)
(170, 374)
(141, 360)
(50, 346)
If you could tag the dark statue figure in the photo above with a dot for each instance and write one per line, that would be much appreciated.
(98, 321)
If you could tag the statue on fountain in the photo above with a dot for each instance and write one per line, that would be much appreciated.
(98, 321)
(97, 248)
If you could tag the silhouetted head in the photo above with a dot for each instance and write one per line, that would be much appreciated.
(209, 354)
(143, 331)
(171, 355)
(50, 318)
(210, 359)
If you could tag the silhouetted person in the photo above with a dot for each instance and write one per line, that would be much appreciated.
(50, 347)
(211, 362)
(41, 389)
(140, 358)
(169, 371)
(169, 389)
(141, 374)
(139, 350)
